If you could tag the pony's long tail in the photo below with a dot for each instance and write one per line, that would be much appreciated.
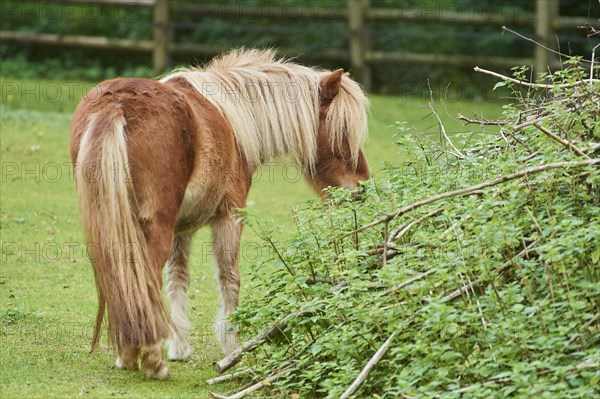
(128, 285)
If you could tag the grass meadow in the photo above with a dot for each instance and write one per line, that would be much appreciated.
(47, 293)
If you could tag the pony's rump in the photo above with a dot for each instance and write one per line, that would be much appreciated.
(127, 286)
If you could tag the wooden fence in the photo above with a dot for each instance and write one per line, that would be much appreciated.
(359, 15)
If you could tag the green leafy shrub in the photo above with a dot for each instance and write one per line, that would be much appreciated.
(492, 292)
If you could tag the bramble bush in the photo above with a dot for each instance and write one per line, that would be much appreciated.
(488, 292)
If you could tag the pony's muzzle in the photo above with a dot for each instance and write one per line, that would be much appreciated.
(359, 193)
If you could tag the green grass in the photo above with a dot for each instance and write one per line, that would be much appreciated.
(47, 294)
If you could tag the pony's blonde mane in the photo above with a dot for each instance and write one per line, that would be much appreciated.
(273, 105)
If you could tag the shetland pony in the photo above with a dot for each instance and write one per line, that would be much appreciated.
(156, 160)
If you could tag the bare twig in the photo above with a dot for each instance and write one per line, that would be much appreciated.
(581, 366)
(472, 285)
(535, 222)
(592, 63)
(536, 42)
(586, 325)
(368, 367)
(318, 280)
(270, 379)
(481, 122)
(530, 156)
(566, 143)
(218, 395)
(590, 145)
(476, 187)
(484, 384)
(227, 377)
(385, 245)
(478, 304)
(274, 330)
(397, 235)
(535, 85)
(456, 152)
(406, 283)
(528, 123)
(391, 247)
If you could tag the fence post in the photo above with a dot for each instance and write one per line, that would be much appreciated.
(546, 19)
(359, 41)
(160, 53)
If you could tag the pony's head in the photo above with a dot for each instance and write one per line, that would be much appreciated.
(342, 129)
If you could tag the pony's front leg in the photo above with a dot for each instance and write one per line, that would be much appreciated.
(177, 286)
(226, 241)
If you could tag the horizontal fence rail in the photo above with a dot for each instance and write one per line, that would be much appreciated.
(358, 15)
(77, 41)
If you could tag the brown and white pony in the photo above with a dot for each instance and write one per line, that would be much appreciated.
(156, 160)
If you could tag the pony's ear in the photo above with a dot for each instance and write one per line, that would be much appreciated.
(330, 86)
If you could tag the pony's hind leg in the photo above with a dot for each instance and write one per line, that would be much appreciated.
(153, 362)
(159, 238)
(177, 286)
(226, 241)
(128, 358)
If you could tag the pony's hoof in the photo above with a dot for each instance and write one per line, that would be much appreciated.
(120, 365)
(179, 351)
(162, 374)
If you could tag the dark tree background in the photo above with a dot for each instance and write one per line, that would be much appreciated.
(307, 36)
